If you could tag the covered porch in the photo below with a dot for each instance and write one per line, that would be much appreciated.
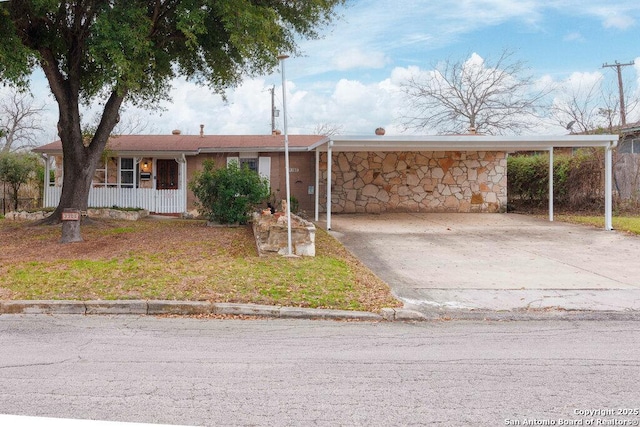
(156, 184)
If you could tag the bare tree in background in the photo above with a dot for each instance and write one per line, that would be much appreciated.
(20, 121)
(577, 105)
(491, 98)
(327, 129)
(588, 107)
(128, 124)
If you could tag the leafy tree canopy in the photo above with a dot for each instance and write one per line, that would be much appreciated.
(137, 46)
(117, 50)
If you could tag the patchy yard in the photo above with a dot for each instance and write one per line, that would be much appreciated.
(179, 260)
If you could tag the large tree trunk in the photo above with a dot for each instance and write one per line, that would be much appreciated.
(81, 154)
(75, 191)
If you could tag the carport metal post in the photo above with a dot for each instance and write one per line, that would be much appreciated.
(551, 184)
(329, 154)
(317, 189)
(608, 205)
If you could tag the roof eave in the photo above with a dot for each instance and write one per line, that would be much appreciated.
(464, 142)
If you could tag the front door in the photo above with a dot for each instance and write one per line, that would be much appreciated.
(167, 176)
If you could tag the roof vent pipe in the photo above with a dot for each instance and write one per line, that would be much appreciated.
(201, 131)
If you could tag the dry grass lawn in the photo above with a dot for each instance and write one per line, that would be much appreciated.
(179, 260)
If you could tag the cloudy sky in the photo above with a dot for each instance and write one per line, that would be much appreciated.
(350, 78)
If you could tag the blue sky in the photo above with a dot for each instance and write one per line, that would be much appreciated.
(556, 37)
(350, 78)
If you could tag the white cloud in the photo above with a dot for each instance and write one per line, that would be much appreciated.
(574, 36)
(619, 22)
(579, 80)
(356, 58)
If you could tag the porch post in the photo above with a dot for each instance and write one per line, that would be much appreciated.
(47, 167)
(329, 154)
(551, 184)
(136, 179)
(317, 188)
(183, 181)
(608, 182)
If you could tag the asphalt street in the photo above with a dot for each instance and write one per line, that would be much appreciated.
(192, 371)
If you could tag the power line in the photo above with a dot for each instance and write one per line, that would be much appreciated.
(618, 66)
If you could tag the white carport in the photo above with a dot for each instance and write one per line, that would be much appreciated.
(466, 143)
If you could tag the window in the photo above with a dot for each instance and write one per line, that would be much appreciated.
(106, 174)
(250, 163)
(115, 172)
(127, 170)
(253, 161)
(630, 146)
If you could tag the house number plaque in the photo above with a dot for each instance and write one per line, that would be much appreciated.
(71, 216)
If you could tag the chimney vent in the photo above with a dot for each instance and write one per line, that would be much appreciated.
(176, 132)
(201, 131)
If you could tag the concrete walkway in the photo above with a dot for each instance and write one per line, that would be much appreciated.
(495, 262)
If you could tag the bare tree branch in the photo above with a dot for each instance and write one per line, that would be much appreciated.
(490, 98)
(20, 121)
(327, 129)
(589, 107)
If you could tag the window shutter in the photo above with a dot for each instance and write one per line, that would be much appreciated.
(264, 167)
(235, 160)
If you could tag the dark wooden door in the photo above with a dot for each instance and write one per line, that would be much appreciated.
(167, 175)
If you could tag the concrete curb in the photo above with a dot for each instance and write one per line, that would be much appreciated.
(157, 307)
(531, 315)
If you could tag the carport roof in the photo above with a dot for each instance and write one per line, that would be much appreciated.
(461, 142)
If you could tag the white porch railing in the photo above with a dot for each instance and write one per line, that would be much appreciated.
(158, 201)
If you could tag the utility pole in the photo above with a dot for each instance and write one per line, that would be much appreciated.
(274, 113)
(618, 66)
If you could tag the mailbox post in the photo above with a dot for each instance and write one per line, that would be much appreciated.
(70, 226)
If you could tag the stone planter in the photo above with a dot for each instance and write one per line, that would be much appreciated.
(270, 232)
(107, 213)
(26, 216)
(104, 213)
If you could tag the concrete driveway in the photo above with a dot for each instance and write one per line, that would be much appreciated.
(495, 261)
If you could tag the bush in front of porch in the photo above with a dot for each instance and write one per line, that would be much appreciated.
(228, 195)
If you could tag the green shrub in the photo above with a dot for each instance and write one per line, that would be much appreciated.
(229, 194)
(577, 180)
(294, 204)
(17, 169)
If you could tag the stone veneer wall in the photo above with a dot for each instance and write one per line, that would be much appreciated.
(438, 181)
